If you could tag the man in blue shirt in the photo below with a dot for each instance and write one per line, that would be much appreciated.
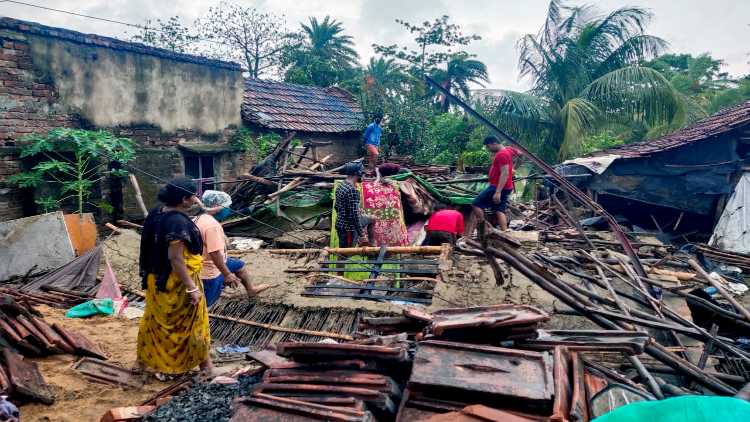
(372, 142)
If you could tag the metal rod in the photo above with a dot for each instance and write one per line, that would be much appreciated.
(571, 189)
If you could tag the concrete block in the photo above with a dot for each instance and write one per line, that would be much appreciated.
(40, 240)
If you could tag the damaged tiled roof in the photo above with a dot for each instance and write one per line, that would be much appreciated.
(280, 105)
(34, 28)
(721, 122)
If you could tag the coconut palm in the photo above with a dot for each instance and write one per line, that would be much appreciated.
(384, 75)
(326, 40)
(324, 56)
(585, 74)
(461, 70)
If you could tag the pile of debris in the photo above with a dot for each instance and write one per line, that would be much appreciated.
(24, 332)
(492, 360)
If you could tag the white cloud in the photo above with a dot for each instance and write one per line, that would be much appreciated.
(691, 26)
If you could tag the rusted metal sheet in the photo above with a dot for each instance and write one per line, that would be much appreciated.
(486, 318)
(492, 372)
(25, 378)
(328, 351)
(630, 342)
(107, 373)
(267, 408)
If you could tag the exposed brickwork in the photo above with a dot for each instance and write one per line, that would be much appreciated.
(27, 105)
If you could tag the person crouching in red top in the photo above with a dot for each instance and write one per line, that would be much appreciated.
(444, 226)
(495, 196)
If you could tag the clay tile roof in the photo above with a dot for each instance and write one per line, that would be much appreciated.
(724, 121)
(280, 105)
(37, 29)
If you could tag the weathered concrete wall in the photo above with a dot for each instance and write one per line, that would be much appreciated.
(113, 83)
(51, 77)
(109, 87)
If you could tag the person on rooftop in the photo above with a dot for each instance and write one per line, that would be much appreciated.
(495, 196)
(174, 336)
(218, 269)
(371, 138)
(445, 225)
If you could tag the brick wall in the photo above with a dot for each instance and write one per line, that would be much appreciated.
(28, 104)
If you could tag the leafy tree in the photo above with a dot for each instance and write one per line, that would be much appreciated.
(700, 79)
(256, 39)
(585, 74)
(73, 162)
(324, 55)
(170, 35)
(435, 43)
(448, 134)
(732, 95)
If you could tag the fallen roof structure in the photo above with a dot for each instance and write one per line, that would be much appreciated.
(693, 170)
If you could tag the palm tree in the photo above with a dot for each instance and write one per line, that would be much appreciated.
(324, 56)
(585, 74)
(383, 75)
(326, 40)
(460, 71)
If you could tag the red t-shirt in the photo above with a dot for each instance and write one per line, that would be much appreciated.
(504, 157)
(450, 221)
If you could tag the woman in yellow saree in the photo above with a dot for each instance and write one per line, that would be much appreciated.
(174, 336)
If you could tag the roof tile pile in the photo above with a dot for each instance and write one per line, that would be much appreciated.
(280, 105)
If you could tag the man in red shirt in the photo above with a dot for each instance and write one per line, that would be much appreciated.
(444, 226)
(495, 196)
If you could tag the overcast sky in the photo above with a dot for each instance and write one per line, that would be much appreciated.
(720, 27)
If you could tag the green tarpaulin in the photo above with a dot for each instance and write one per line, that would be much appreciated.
(682, 409)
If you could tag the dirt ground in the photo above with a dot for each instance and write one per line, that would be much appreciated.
(78, 400)
(469, 283)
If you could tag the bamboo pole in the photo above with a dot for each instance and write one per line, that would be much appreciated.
(297, 181)
(283, 329)
(138, 194)
(365, 250)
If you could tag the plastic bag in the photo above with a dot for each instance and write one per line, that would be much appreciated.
(92, 307)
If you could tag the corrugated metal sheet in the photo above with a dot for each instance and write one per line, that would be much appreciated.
(721, 122)
(732, 232)
(280, 105)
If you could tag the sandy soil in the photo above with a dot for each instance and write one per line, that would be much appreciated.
(78, 400)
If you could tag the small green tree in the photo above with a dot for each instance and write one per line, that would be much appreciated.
(73, 161)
